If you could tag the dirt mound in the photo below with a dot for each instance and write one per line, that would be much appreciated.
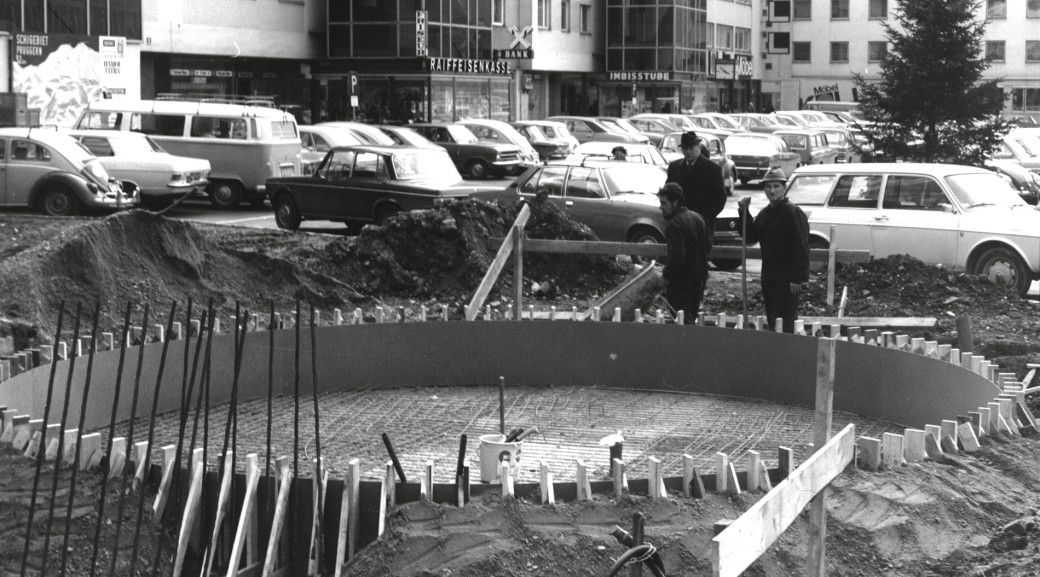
(139, 257)
(443, 253)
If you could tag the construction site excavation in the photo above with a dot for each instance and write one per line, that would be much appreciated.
(437, 439)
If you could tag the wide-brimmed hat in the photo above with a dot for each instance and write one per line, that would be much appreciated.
(689, 139)
(774, 174)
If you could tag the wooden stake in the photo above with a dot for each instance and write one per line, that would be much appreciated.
(248, 506)
(278, 522)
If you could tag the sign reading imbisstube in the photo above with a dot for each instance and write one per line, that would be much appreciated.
(640, 75)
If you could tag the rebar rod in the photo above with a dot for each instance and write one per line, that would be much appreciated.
(317, 446)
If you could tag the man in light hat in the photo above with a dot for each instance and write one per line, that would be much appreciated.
(686, 271)
(782, 230)
(700, 179)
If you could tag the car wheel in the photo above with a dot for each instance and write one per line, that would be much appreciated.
(285, 213)
(817, 267)
(59, 201)
(385, 213)
(644, 236)
(225, 194)
(1002, 266)
(477, 168)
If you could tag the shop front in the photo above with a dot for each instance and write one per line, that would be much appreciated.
(420, 90)
(624, 93)
(733, 89)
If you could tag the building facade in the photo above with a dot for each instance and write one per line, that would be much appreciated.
(814, 46)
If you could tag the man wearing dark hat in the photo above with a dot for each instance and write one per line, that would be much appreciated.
(700, 179)
(688, 246)
(782, 230)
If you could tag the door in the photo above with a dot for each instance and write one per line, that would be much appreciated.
(916, 218)
(852, 208)
(547, 180)
(28, 162)
(366, 186)
(585, 200)
(322, 197)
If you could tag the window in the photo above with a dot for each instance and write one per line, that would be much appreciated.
(584, 183)
(565, 15)
(498, 9)
(876, 51)
(839, 51)
(27, 150)
(802, 51)
(803, 9)
(710, 36)
(1032, 50)
(857, 191)
(724, 37)
(548, 179)
(544, 18)
(1032, 8)
(878, 9)
(585, 17)
(995, 51)
(996, 9)
(99, 146)
(779, 42)
(839, 9)
(913, 192)
(742, 39)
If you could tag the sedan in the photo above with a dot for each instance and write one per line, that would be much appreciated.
(586, 128)
(810, 144)
(55, 174)
(317, 141)
(753, 154)
(960, 217)
(359, 185)
(758, 122)
(617, 200)
(643, 153)
(550, 139)
(160, 176)
(470, 155)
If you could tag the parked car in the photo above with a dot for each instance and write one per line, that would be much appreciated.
(713, 144)
(366, 133)
(810, 144)
(1022, 146)
(160, 176)
(717, 121)
(810, 118)
(655, 126)
(316, 142)
(844, 144)
(471, 157)
(624, 126)
(585, 128)
(754, 153)
(961, 217)
(641, 153)
(359, 185)
(754, 122)
(789, 121)
(1021, 179)
(550, 139)
(498, 132)
(617, 200)
(55, 174)
(404, 136)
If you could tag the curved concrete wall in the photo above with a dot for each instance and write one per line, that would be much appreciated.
(900, 387)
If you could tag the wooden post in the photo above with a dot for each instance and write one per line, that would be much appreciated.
(721, 465)
(830, 271)
(619, 477)
(248, 504)
(583, 486)
(354, 478)
(222, 507)
(278, 522)
(816, 563)
(188, 518)
(546, 484)
(754, 470)
(693, 485)
(518, 271)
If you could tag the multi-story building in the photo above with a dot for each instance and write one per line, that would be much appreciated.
(734, 57)
(814, 47)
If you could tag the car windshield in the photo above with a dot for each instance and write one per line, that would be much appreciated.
(737, 145)
(425, 165)
(534, 133)
(461, 134)
(1031, 144)
(727, 123)
(132, 143)
(634, 178)
(982, 189)
(835, 137)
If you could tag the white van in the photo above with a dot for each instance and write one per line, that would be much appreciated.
(245, 143)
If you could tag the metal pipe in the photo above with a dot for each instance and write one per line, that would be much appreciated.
(39, 456)
(151, 436)
(129, 443)
(79, 441)
(111, 433)
(43, 448)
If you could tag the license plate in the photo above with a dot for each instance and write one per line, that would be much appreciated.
(287, 170)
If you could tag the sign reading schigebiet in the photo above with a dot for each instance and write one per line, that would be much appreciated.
(113, 71)
(466, 65)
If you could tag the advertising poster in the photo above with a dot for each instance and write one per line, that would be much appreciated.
(60, 73)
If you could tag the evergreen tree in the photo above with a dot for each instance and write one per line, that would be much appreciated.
(931, 104)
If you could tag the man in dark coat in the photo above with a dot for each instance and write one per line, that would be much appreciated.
(782, 230)
(700, 179)
(689, 243)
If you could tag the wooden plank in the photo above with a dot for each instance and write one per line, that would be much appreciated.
(754, 470)
(949, 429)
(90, 451)
(498, 264)
(693, 485)
(169, 453)
(825, 352)
(619, 477)
(278, 522)
(344, 526)
(659, 250)
(117, 460)
(913, 446)
(869, 454)
(721, 466)
(932, 447)
(7, 417)
(354, 493)
(188, 518)
(141, 458)
(319, 486)
(222, 507)
(875, 322)
(50, 441)
(892, 450)
(546, 484)
(21, 432)
(966, 435)
(248, 506)
(732, 482)
(749, 536)
(584, 487)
